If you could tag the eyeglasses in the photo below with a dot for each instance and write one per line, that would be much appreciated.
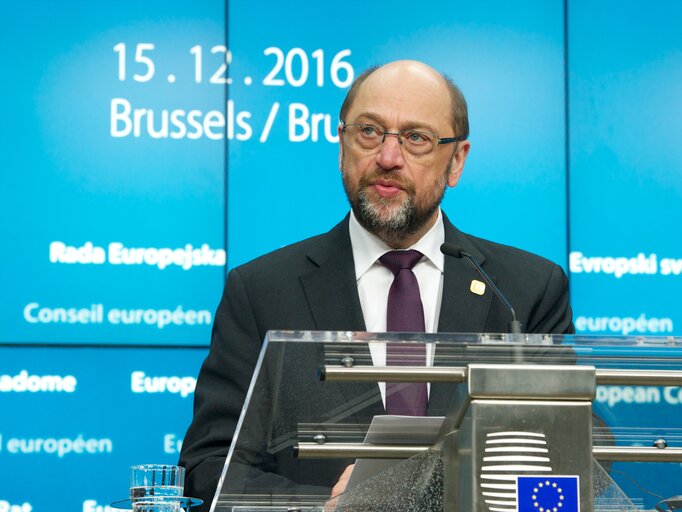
(367, 137)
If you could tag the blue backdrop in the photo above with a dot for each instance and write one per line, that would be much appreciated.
(148, 147)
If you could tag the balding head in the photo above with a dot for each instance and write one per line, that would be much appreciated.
(424, 80)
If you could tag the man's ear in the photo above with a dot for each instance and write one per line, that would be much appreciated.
(340, 132)
(457, 163)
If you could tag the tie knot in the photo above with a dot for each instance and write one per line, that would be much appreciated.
(395, 261)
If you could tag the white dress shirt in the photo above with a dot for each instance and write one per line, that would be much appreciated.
(374, 281)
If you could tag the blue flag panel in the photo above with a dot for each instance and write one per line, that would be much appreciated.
(548, 493)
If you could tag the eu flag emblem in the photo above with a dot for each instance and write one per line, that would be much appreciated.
(547, 493)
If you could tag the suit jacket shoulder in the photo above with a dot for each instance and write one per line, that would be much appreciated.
(309, 285)
(536, 287)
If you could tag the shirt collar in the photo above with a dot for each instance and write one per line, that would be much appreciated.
(368, 248)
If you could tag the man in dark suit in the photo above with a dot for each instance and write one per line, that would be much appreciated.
(402, 143)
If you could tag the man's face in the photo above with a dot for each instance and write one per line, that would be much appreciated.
(393, 193)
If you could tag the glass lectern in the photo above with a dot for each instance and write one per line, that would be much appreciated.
(515, 422)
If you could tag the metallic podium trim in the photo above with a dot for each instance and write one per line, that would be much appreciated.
(363, 451)
(459, 374)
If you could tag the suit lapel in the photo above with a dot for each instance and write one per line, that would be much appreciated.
(330, 287)
(332, 294)
(462, 310)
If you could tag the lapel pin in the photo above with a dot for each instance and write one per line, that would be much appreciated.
(477, 287)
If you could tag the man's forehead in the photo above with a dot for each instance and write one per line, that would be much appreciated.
(412, 91)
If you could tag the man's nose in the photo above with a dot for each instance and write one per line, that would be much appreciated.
(390, 152)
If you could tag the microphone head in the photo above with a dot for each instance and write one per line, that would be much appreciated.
(450, 249)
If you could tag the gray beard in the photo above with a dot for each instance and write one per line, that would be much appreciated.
(404, 221)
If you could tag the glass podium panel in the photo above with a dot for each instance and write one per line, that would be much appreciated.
(601, 409)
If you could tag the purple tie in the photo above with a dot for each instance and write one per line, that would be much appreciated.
(405, 314)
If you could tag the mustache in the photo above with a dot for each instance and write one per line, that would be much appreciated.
(379, 173)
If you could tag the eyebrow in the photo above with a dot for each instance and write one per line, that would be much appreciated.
(409, 125)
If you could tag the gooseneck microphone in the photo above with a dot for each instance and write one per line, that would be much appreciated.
(450, 249)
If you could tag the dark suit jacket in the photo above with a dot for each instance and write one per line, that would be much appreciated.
(311, 285)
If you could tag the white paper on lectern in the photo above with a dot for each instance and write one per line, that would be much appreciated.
(394, 430)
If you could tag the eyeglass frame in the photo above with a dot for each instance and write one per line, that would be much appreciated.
(439, 140)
